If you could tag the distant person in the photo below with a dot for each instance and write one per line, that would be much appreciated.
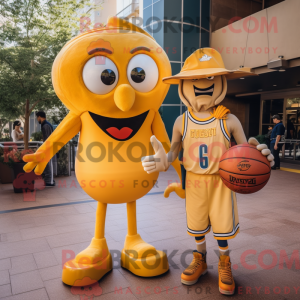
(268, 136)
(47, 130)
(17, 134)
(277, 132)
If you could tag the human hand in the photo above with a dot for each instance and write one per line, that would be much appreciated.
(157, 162)
(263, 149)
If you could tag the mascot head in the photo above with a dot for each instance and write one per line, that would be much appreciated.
(202, 82)
(114, 71)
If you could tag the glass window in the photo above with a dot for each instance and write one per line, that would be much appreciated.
(147, 16)
(158, 33)
(293, 118)
(172, 96)
(191, 36)
(205, 14)
(172, 40)
(191, 12)
(204, 39)
(147, 3)
(169, 114)
(266, 112)
(173, 10)
(271, 108)
(148, 29)
(158, 10)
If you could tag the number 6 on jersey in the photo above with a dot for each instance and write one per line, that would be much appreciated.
(203, 159)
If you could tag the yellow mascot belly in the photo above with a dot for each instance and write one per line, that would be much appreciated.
(110, 171)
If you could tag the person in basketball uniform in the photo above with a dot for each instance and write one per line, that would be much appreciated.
(202, 135)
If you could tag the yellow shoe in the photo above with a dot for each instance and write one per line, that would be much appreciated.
(195, 270)
(89, 266)
(226, 281)
(142, 259)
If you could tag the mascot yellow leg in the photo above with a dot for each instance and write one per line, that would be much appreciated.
(139, 257)
(95, 261)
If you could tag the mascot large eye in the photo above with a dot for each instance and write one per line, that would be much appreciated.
(142, 73)
(210, 78)
(100, 75)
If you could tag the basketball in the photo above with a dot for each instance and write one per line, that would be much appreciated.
(244, 169)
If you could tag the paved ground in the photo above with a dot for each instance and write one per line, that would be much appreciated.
(32, 242)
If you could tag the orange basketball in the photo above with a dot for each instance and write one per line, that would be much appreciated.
(244, 169)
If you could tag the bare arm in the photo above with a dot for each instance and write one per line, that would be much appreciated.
(162, 161)
(278, 138)
(235, 128)
(158, 129)
(176, 140)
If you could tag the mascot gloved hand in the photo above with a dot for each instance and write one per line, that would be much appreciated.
(159, 162)
(263, 149)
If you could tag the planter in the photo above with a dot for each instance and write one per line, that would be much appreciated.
(17, 169)
(6, 173)
(26, 183)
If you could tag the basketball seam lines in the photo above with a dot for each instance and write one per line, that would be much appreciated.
(246, 186)
(244, 174)
(245, 158)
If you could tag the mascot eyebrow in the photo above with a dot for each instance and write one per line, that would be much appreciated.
(140, 49)
(99, 50)
(100, 45)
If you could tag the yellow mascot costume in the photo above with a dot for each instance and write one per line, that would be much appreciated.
(111, 81)
(203, 134)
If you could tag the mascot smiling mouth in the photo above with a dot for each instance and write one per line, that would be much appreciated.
(208, 91)
(120, 129)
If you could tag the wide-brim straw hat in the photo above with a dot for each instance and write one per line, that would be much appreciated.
(203, 63)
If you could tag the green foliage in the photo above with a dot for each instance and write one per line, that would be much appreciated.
(5, 136)
(32, 34)
(56, 116)
(261, 139)
(37, 136)
(62, 161)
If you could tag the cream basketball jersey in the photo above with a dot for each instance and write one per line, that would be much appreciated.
(204, 141)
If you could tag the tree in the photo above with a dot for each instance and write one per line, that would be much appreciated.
(32, 34)
(4, 119)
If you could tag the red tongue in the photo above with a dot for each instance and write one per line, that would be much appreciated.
(121, 134)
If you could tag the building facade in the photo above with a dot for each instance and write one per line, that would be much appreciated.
(260, 34)
(180, 27)
(265, 39)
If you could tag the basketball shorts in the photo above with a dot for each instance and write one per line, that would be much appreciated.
(210, 204)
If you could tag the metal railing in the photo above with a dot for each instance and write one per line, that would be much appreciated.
(129, 9)
(20, 145)
(35, 145)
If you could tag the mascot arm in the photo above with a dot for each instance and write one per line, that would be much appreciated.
(235, 128)
(159, 130)
(66, 130)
